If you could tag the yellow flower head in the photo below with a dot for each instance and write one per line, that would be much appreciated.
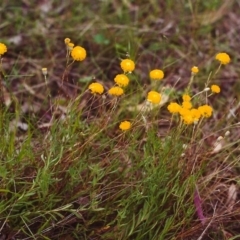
(196, 114)
(154, 97)
(215, 89)
(187, 105)
(194, 70)
(70, 46)
(127, 65)
(122, 80)
(67, 40)
(156, 74)
(186, 115)
(206, 111)
(184, 111)
(223, 58)
(96, 88)
(186, 98)
(174, 107)
(3, 48)
(124, 126)
(44, 71)
(188, 119)
(78, 53)
(115, 91)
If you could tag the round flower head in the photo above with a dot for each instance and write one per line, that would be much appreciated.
(122, 80)
(186, 98)
(184, 111)
(115, 91)
(44, 71)
(187, 105)
(156, 74)
(3, 49)
(206, 111)
(96, 88)
(127, 65)
(78, 53)
(194, 70)
(173, 107)
(70, 46)
(215, 89)
(154, 97)
(196, 114)
(223, 58)
(67, 40)
(126, 125)
(188, 119)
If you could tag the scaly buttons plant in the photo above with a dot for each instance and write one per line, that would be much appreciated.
(96, 88)
(115, 91)
(70, 46)
(223, 58)
(187, 104)
(44, 71)
(121, 80)
(174, 107)
(215, 89)
(154, 97)
(156, 74)
(194, 70)
(186, 98)
(3, 48)
(67, 40)
(127, 65)
(124, 126)
(206, 111)
(78, 53)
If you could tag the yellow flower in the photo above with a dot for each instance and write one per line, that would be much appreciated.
(122, 80)
(215, 89)
(184, 111)
(156, 74)
(174, 107)
(186, 98)
(3, 48)
(186, 116)
(70, 46)
(188, 119)
(187, 105)
(126, 125)
(115, 91)
(223, 58)
(154, 97)
(96, 88)
(67, 40)
(127, 65)
(196, 114)
(206, 111)
(194, 70)
(78, 53)
(44, 71)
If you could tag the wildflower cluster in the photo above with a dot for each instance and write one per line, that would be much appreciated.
(153, 96)
(188, 114)
(78, 53)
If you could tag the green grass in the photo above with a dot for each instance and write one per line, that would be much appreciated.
(73, 174)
